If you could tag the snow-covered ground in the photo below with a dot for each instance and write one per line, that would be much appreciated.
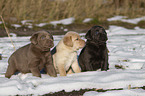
(125, 19)
(126, 48)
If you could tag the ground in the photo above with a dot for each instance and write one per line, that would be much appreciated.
(62, 29)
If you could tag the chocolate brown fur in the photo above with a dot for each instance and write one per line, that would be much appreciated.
(33, 57)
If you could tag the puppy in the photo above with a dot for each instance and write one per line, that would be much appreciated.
(33, 57)
(95, 53)
(65, 58)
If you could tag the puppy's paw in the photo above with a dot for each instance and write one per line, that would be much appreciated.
(37, 75)
(63, 74)
(35, 72)
(61, 70)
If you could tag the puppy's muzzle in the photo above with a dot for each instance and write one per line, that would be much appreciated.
(48, 43)
(81, 43)
(102, 37)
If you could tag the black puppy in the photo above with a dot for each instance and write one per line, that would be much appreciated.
(95, 53)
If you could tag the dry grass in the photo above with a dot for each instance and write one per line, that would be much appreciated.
(48, 10)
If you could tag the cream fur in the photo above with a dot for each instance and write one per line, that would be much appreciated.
(66, 55)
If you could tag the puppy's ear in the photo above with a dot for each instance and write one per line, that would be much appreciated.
(88, 35)
(33, 39)
(67, 40)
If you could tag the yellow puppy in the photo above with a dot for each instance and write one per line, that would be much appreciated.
(65, 58)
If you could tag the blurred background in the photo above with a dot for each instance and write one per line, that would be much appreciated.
(45, 11)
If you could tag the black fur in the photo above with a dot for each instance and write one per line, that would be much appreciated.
(95, 54)
(53, 51)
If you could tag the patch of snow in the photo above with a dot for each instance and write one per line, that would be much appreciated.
(138, 28)
(41, 24)
(1, 22)
(65, 29)
(13, 35)
(116, 30)
(63, 21)
(16, 25)
(133, 21)
(115, 18)
(26, 21)
(30, 26)
(87, 20)
(122, 18)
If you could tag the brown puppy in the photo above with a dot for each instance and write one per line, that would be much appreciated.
(65, 58)
(33, 57)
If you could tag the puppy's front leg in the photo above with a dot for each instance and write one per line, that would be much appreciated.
(104, 63)
(49, 66)
(35, 72)
(75, 66)
(106, 66)
(61, 70)
(33, 65)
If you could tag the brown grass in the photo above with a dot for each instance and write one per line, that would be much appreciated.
(48, 10)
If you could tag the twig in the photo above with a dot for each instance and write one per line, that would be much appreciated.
(8, 33)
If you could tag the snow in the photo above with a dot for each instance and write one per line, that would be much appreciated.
(87, 20)
(26, 21)
(41, 24)
(126, 48)
(66, 21)
(29, 24)
(16, 25)
(124, 19)
(1, 22)
(115, 18)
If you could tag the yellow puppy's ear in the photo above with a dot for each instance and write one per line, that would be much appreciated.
(67, 40)
(33, 39)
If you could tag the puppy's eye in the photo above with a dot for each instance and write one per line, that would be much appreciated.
(77, 39)
(43, 37)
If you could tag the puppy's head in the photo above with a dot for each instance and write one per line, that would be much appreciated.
(97, 34)
(43, 39)
(72, 39)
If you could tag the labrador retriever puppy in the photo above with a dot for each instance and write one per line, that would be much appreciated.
(95, 53)
(65, 58)
(33, 57)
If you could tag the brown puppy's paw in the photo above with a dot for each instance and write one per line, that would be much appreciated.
(37, 75)
(7, 76)
(52, 74)
(51, 70)
(36, 72)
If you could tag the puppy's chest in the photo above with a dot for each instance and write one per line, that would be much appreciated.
(70, 59)
(44, 57)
